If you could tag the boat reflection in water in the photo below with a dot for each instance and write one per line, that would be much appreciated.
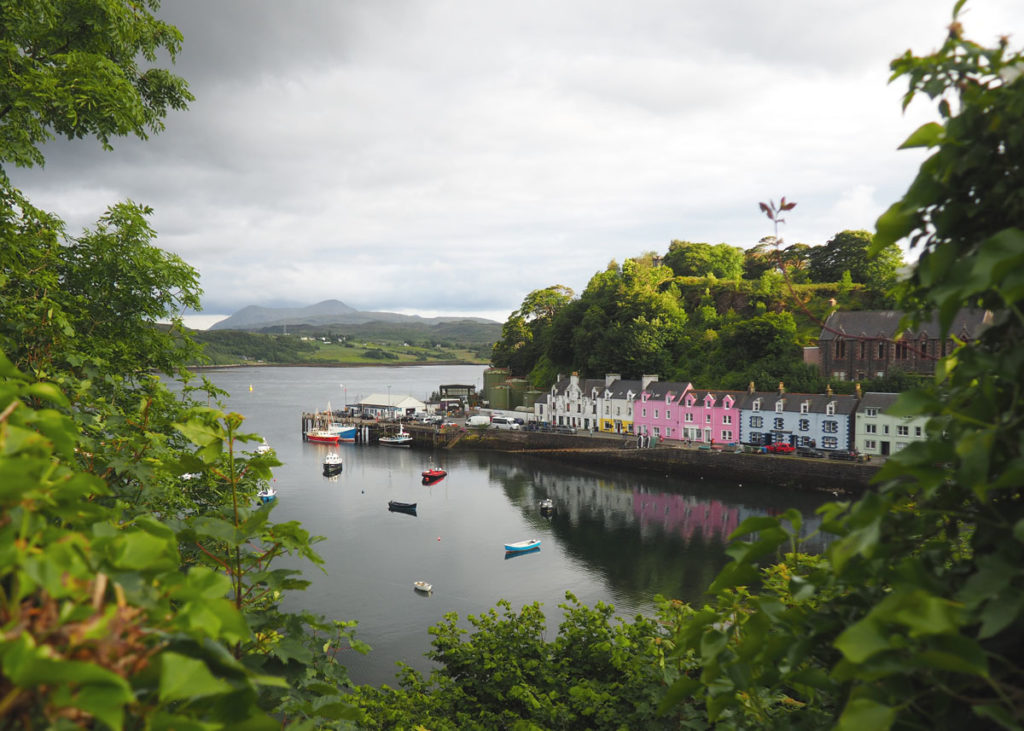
(527, 552)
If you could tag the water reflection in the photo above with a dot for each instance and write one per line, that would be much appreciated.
(647, 535)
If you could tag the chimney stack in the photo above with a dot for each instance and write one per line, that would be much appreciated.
(782, 388)
(856, 390)
(750, 388)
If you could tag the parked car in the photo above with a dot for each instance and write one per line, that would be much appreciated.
(780, 448)
(808, 452)
(851, 455)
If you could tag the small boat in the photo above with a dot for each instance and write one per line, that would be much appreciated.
(322, 436)
(394, 505)
(546, 505)
(267, 494)
(263, 448)
(423, 586)
(521, 546)
(401, 439)
(345, 432)
(434, 473)
(332, 463)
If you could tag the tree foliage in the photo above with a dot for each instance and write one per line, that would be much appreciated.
(75, 69)
(139, 582)
(851, 251)
(913, 618)
(699, 260)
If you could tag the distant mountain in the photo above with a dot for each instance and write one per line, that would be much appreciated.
(328, 312)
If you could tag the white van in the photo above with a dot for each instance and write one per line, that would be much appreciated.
(478, 420)
(504, 422)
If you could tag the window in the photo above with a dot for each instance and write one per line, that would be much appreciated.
(870, 444)
(871, 428)
(606, 407)
(902, 431)
(780, 424)
(805, 424)
(917, 431)
(643, 411)
(871, 411)
(830, 427)
(689, 416)
(881, 351)
(756, 405)
(756, 422)
(829, 442)
(778, 406)
(726, 435)
(726, 418)
(707, 418)
(805, 407)
(840, 348)
(655, 414)
(618, 411)
(830, 408)
(901, 350)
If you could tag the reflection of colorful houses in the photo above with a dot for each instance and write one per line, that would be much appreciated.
(685, 515)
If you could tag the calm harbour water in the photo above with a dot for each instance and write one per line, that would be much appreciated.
(614, 537)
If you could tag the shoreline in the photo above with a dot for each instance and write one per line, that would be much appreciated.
(333, 364)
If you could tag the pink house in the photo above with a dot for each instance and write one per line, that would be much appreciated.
(656, 411)
(709, 417)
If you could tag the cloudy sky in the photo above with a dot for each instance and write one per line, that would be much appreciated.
(449, 156)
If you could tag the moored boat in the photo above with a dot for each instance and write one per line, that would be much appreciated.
(423, 586)
(332, 463)
(267, 494)
(394, 505)
(546, 505)
(323, 436)
(263, 448)
(520, 546)
(402, 438)
(434, 473)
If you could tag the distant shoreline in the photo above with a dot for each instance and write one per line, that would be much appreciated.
(332, 364)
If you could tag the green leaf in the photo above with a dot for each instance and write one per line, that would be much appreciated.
(184, 678)
(862, 640)
(864, 713)
(684, 687)
(927, 135)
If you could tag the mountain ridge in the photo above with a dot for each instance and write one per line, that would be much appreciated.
(327, 312)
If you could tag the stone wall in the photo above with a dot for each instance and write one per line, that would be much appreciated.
(788, 470)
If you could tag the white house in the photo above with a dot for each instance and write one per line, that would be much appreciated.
(879, 433)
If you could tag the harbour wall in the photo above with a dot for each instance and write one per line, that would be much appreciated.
(596, 451)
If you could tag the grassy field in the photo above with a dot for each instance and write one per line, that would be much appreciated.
(390, 354)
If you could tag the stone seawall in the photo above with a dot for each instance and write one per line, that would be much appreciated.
(814, 474)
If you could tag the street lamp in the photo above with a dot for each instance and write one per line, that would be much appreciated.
(345, 404)
(389, 401)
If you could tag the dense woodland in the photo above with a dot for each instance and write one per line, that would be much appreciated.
(131, 598)
(715, 315)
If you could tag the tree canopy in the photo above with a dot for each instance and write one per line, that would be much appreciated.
(74, 68)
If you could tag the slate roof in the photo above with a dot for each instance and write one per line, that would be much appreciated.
(884, 324)
(845, 403)
(877, 400)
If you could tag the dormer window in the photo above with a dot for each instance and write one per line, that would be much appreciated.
(778, 406)
(830, 409)
(709, 401)
(756, 405)
(805, 407)
(728, 402)
(690, 400)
